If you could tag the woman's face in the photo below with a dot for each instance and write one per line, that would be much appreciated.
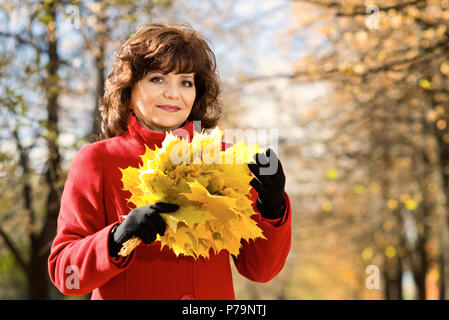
(163, 102)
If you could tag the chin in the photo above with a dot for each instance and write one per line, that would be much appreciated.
(170, 124)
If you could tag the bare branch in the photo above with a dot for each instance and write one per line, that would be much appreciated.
(443, 44)
(360, 10)
(28, 42)
(25, 164)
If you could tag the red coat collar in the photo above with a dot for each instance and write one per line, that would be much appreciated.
(150, 137)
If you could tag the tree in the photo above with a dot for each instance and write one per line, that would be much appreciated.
(42, 77)
(390, 100)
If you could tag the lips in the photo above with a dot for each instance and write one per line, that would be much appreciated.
(169, 108)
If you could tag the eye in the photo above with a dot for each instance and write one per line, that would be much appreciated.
(156, 79)
(187, 83)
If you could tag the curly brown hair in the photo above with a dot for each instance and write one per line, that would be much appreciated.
(168, 48)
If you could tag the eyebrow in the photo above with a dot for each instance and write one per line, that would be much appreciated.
(165, 73)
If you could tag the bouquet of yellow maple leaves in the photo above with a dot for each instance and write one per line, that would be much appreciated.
(211, 187)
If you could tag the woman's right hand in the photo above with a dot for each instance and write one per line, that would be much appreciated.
(142, 222)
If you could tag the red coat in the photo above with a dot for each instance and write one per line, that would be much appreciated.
(92, 203)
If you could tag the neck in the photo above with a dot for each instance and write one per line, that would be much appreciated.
(158, 129)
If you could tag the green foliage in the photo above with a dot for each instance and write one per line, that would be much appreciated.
(12, 280)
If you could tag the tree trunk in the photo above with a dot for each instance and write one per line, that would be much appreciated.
(99, 92)
(392, 274)
(399, 272)
(420, 269)
(100, 71)
(37, 275)
(443, 284)
(442, 150)
(41, 242)
(444, 221)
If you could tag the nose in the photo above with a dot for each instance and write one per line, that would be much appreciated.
(171, 91)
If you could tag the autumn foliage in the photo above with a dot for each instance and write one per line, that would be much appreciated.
(210, 186)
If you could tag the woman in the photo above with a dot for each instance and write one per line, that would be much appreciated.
(164, 78)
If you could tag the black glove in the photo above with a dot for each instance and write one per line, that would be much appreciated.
(142, 222)
(269, 182)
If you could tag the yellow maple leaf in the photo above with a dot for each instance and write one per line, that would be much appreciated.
(211, 187)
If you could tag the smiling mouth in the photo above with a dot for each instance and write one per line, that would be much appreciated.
(169, 108)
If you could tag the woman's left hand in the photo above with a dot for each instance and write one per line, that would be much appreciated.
(269, 182)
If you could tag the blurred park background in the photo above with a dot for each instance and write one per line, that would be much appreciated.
(358, 91)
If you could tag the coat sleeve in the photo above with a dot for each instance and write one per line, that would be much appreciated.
(79, 259)
(261, 260)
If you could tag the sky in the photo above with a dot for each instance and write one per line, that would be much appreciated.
(260, 21)
(252, 40)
